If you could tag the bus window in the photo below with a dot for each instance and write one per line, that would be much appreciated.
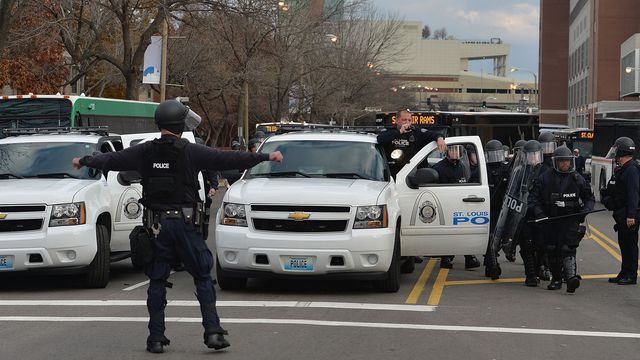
(27, 113)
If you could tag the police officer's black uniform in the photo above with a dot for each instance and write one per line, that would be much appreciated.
(451, 171)
(557, 193)
(169, 167)
(622, 197)
(409, 143)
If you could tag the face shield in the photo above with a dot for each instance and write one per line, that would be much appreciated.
(548, 147)
(533, 158)
(455, 152)
(564, 164)
(495, 156)
(612, 153)
(192, 120)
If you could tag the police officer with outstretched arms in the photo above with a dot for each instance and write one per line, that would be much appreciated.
(173, 212)
(562, 196)
(621, 196)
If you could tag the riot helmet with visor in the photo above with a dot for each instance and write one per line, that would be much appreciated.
(563, 160)
(494, 152)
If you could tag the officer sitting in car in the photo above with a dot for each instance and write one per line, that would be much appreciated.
(173, 211)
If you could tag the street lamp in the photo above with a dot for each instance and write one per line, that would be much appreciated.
(535, 80)
(629, 69)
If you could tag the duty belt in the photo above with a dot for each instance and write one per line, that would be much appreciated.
(190, 215)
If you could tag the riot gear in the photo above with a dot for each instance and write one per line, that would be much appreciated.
(494, 151)
(235, 145)
(519, 144)
(623, 146)
(506, 150)
(174, 116)
(548, 142)
(532, 152)
(563, 160)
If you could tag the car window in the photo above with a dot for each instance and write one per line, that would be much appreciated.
(323, 158)
(462, 171)
(43, 160)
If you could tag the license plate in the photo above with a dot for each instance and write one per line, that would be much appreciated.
(299, 263)
(6, 262)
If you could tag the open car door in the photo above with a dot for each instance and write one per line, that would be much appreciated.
(443, 219)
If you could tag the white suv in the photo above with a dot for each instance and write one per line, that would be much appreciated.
(54, 218)
(331, 209)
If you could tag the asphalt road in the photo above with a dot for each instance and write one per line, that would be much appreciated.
(441, 314)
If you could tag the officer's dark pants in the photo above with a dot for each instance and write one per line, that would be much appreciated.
(178, 241)
(560, 244)
(628, 241)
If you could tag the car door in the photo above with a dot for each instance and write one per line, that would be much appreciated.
(444, 219)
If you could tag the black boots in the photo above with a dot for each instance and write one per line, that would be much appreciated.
(556, 273)
(471, 262)
(216, 341)
(155, 344)
(445, 262)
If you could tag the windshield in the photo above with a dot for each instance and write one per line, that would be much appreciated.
(27, 113)
(43, 160)
(331, 159)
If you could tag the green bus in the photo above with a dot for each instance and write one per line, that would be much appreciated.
(41, 111)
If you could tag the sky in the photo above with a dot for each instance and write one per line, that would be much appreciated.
(516, 22)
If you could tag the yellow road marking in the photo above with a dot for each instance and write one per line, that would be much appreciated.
(436, 292)
(514, 280)
(604, 237)
(606, 247)
(422, 280)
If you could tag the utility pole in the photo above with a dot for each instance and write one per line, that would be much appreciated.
(163, 72)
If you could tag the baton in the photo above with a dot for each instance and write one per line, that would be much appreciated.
(563, 216)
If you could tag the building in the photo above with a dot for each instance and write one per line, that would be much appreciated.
(581, 58)
(437, 71)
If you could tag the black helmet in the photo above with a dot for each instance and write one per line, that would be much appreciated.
(548, 142)
(623, 146)
(235, 145)
(259, 135)
(494, 152)
(533, 152)
(254, 143)
(519, 144)
(171, 115)
(561, 155)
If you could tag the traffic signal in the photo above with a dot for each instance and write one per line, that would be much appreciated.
(484, 104)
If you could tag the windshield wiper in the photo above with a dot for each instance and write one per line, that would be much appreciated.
(348, 176)
(281, 173)
(9, 175)
(55, 175)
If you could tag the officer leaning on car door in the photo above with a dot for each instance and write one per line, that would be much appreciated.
(173, 210)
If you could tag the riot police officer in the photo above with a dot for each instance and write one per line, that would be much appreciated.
(169, 167)
(511, 229)
(621, 196)
(498, 175)
(452, 170)
(562, 193)
(404, 141)
(548, 143)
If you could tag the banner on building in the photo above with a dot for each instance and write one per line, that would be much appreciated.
(152, 61)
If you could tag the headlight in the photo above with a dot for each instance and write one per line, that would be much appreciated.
(68, 214)
(371, 217)
(234, 215)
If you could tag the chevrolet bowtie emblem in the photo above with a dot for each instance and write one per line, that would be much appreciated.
(2, 216)
(299, 216)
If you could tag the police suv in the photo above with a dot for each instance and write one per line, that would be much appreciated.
(56, 219)
(331, 209)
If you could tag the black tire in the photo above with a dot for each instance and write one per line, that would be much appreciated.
(227, 282)
(392, 281)
(98, 274)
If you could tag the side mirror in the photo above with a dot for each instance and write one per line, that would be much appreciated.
(422, 177)
(126, 178)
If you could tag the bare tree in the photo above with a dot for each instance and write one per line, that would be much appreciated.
(426, 32)
(8, 9)
(440, 34)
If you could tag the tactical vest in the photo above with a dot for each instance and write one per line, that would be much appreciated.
(407, 143)
(166, 181)
(619, 191)
(559, 201)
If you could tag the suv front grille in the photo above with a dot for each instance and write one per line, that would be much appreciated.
(20, 225)
(22, 208)
(306, 208)
(300, 226)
